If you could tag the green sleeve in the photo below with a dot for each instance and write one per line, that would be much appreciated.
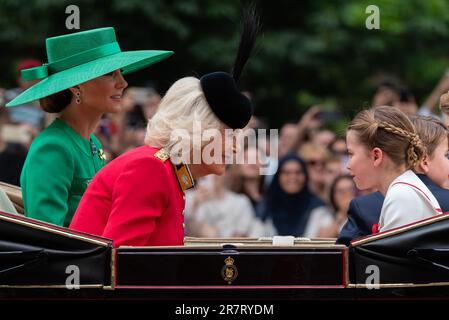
(46, 181)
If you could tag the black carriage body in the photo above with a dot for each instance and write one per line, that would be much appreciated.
(37, 254)
(34, 258)
(411, 261)
(232, 266)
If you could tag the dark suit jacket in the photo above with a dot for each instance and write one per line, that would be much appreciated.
(364, 211)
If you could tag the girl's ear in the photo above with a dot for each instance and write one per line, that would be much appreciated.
(377, 156)
(423, 165)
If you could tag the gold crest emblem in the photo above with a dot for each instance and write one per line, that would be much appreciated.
(184, 176)
(229, 271)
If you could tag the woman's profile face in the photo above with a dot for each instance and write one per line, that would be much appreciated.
(292, 177)
(104, 93)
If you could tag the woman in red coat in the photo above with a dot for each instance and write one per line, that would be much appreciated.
(138, 198)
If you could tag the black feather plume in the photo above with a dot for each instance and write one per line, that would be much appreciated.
(250, 28)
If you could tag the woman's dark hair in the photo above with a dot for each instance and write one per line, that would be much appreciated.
(135, 118)
(238, 185)
(56, 102)
(334, 187)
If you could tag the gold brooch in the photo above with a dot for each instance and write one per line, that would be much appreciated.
(102, 155)
(162, 155)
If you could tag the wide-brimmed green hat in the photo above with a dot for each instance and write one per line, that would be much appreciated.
(79, 57)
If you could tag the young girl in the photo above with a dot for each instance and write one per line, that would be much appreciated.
(383, 147)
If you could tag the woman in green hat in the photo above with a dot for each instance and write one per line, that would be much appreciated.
(82, 80)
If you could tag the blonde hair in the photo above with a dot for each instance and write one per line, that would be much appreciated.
(183, 106)
(311, 150)
(431, 131)
(392, 131)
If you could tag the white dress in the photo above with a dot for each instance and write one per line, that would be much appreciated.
(407, 200)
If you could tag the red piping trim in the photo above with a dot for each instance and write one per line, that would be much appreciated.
(412, 185)
(53, 226)
(401, 227)
(343, 252)
(114, 252)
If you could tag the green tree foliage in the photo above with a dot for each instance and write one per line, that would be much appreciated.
(309, 52)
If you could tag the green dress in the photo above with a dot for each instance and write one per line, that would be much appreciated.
(58, 168)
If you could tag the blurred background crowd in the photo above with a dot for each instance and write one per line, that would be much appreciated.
(315, 67)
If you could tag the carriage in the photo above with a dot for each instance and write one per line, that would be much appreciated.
(41, 260)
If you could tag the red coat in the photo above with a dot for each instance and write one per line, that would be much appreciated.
(135, 200)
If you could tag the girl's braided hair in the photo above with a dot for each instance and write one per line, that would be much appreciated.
(391, 130)
(431, 131)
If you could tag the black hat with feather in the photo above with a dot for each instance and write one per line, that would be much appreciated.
(220, 88)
